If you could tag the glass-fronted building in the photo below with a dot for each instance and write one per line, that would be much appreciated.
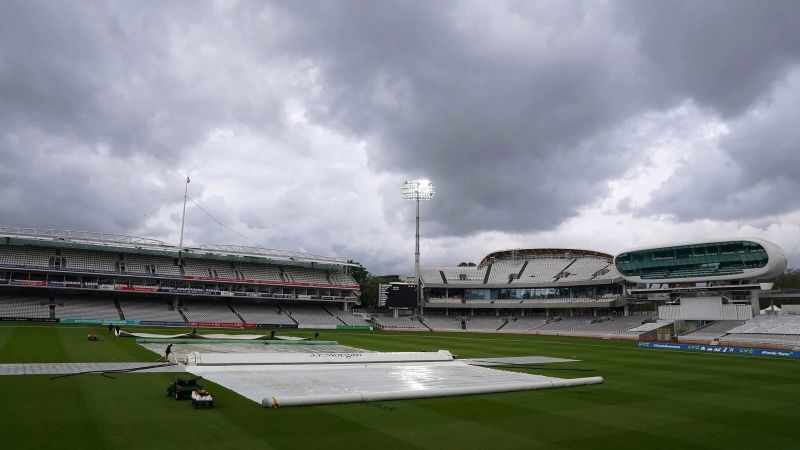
(724, 260)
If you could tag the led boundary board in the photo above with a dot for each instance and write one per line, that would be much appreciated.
(397, 295)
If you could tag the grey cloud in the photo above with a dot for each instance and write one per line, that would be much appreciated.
(723, 54)
(516, 137)
(755, 172)
(510, 108)
(510, 135)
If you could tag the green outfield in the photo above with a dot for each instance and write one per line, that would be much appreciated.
(651, 399)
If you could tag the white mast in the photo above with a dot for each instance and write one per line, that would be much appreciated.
(183, 219)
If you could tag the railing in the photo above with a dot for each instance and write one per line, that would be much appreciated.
(80, 236)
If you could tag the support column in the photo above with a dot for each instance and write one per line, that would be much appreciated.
(627, 310)
(755, 303)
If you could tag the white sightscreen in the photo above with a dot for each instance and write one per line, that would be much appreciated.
(701, 308)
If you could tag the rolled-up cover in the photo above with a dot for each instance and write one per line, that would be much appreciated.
(356, 397)
(227, 359)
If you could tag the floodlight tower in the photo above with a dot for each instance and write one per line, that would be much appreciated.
(418, 190)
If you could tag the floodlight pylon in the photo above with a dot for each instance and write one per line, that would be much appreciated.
(418, 190)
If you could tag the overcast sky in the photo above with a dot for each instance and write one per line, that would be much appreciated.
(600, 125)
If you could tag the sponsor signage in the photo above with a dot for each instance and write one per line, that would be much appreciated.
(353, 327)
(28, 319)
(99, 321)
(721, 349)
(137, 288)
(161, 323)
(277, 325)
(28, 283)
(222, 324)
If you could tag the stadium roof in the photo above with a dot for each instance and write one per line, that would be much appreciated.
(147, 245)
(523, 253)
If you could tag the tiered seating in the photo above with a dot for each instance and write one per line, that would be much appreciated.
(149, 310)
(212, 269)
(77, 308)
(430, 275)
(25, 256)
(263, 272)
(484, 323)
(260, 313)
(342, 279)
(436, 323)
(22, 306)
(769, 324)
(139, 264)
(566, 324)
(301, 275)
(347, 316)
(714, 330)
(208, 311)
(610, 272)
(462, 275)
(90, 261)
(614, 325)
(584, 269)
(502, 269)
(400, 323)
(523, 324)
(543, 270)
(312, 317)
(792, 340)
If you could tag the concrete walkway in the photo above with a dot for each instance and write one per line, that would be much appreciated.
(67, 368)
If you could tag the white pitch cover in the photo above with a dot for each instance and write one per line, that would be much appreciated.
(314, 384)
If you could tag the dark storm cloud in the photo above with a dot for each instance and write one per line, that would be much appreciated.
(509, 113)
(741, 59)
(97, 109)
(723, 54)
(507, 125)
(753, 174)
(512, 109)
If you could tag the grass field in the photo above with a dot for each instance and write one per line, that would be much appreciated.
(651, 399)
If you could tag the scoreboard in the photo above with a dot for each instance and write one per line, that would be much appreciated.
(397, 295)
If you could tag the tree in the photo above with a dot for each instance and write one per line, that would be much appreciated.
(359, 273)
(789, 280)
(466, 264)
(369, 283)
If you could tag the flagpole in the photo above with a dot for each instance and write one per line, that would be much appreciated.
(183, 219)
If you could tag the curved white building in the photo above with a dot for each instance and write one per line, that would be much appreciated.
(729, 260)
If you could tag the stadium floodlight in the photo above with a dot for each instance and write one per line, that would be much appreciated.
(418, 190)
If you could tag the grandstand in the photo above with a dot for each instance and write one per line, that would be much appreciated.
(49, 252)
(51, 274)
(83, 277)
(508, 282)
